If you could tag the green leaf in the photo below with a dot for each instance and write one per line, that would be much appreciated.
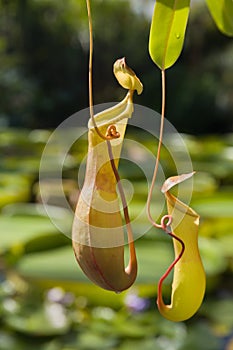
(213, 257)
(168, 31)
(13, 188)
(93, 341)
(48, 320)
(29, 229)
(221, 312)
(23, 229)
(60, 263)
(222, 13)
(219, 205)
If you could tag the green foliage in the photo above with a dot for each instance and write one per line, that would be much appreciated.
(168, 27)
(39, 76)
(41, 48)
(167, 31)
(35, 258)
(44, 64)
(222, 13)
(44, 57)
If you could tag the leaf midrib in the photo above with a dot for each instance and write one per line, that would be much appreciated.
(168, 35)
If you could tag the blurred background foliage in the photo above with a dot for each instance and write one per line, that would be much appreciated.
(44, 48)
(45, 300)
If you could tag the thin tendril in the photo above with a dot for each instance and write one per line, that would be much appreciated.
(167, 272)
(166, 219)
(132, 255)
(112, 133)
(149, 199)
(90, 73)
(121, 191)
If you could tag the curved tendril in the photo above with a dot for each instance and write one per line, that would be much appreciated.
(158, 155)
(167, 272)
(111, 133)
(104, 137)
(125, 207)
(166, 222)
(166, 219)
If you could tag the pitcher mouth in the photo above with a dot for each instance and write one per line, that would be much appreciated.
(113, 115)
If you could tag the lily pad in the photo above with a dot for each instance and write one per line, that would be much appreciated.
(14, 188)
(216, 227)
(220, 312)
(60, 263)
(21, 229)
(56, 264)
(227, 245)
(200, 336)
(213, 257)
(219, 205)
(90, 340)
(29, 229)
(11, 341)
(49, 320)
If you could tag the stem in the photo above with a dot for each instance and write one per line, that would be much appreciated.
(90, 59)
(163, 225)
(91, 70)
(107, 139)
(149, 199)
